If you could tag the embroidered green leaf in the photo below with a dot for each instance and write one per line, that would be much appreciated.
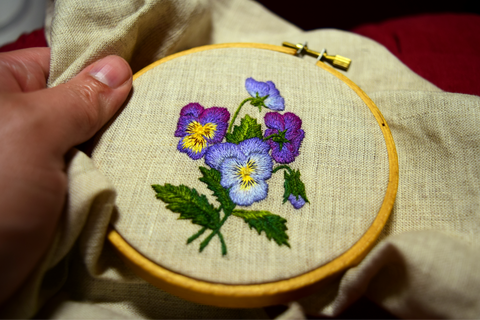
(273, 225)
(212, 179)
(293, 185)
(189, 204)
(248, 128)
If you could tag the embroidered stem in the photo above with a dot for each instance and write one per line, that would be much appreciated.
(215, 232)
(196, 235)
(222, 241)
(236, 114)
(284, 166)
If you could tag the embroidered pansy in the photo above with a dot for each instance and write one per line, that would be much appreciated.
(239, 167)
(265, 94)
(244, 168)
(200, 128)
(294, 187)
(286, 135)
(297, 202)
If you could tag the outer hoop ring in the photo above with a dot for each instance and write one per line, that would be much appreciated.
(259, 295)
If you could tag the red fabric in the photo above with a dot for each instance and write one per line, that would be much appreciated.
(28, 40)
(442, 48)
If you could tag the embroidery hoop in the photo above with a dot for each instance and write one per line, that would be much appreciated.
(272, 293)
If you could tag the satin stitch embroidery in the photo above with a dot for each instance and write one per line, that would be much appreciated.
(239, 167)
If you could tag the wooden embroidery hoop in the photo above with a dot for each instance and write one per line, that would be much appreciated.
(272, 293)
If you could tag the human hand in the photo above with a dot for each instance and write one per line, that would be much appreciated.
(37, 128)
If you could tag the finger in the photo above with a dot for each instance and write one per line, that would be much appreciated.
(24, 70)
(76, 110)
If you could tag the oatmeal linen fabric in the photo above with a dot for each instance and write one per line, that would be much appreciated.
(426, 261)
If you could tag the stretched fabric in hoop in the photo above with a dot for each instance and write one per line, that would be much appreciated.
(354, 193)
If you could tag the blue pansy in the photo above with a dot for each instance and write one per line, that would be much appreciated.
(244, 168)
(297, 202)
(260, 90)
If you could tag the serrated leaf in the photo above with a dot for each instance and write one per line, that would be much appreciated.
(248, 128)
(293, 185)
(211, 178)
(189, 204)
(274, 226)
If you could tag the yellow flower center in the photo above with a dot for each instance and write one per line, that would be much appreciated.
(245, 174)
(197, 136)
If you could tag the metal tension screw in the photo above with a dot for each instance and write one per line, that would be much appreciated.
(336, 61)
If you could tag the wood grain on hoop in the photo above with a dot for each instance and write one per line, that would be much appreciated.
(258, 295)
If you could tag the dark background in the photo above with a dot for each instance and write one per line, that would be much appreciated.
(345, 15)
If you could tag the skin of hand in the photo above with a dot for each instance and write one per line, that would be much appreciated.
(37, 128)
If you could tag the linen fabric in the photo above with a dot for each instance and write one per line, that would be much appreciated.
(425, 263)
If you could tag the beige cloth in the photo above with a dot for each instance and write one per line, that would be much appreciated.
(427, 260)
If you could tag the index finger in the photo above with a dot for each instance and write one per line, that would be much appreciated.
(24, 70)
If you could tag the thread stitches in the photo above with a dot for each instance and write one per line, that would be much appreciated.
(240, 166)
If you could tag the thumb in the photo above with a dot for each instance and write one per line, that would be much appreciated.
(80, 107)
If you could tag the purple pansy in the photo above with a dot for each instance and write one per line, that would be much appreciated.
(200, 128)
(288, 127)
(244, 168)
(297, 202)
(260, 90)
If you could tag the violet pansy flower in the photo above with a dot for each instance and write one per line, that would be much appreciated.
(200, 128)
(244, 168)
(265, 94)
(286, 133)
